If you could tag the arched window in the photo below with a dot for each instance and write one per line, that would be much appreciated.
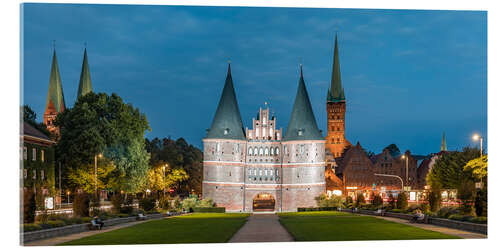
(271, 172)
(277, 151)
(270, 131)
(218, 147)
(266, 152)
(261, 151)
(272, 151)
(256, 133)
(250, 151)
(302, 148)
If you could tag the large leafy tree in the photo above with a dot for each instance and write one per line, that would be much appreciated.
(178, 154)
(163, 177)
(100, 124)
(448, 171)
(478, 166)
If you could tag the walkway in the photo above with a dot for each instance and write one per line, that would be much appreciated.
(61, 239)
(445, 230)
(262, 228)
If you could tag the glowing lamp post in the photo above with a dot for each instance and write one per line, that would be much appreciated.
(164, 167)
(95, 173)
(406, 158)
(477, 137)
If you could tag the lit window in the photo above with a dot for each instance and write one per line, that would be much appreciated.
(43, 155)
(25, 173)
(34, 154)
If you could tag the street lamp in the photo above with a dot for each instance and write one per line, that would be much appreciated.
(164, 166)
(395, 176)
(476, 137)
(406, 158)
(95, 173)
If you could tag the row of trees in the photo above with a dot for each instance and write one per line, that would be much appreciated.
(103, 128)
(460, 170)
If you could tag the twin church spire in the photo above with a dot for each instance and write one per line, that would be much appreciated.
(55, 96)
(336, 91)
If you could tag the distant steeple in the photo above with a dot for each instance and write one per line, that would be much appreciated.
(227, 122)
(443, 143)
(55, 96)
(302, 124)
(85, 85)
(336, 91)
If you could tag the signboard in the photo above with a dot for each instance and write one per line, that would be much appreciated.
(382, 188)
(374, 186)
(407, 188)
(49, 203)
(351, 188)
(171, 190)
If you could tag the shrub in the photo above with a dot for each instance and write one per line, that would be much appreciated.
(56, 223)
(397, 210)
(412, 208)
(360, 199)
(392, 201)
(207, 202)
(189, 203)
(402, 202)
(332, 201)
(348, 200)
(177, 202)
(455, 217)
(377, 200)
(164, 203)
(117, 202)
(465, 193)
(147, 203)
(480, 203)
(434, 199)
(29, 207)
(480, 220)
(28, 227)
(81, 205)
(424, 207)
(209, 209)
(445, 212)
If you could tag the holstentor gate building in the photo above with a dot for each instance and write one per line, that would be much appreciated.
(260, 168)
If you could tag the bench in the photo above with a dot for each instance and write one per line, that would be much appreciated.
(142, 217)
(380, 212)
(420, 219)
(94, 225)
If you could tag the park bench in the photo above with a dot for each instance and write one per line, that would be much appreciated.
(142, 217)
(94, 225)
(380, 212)
(423, 218)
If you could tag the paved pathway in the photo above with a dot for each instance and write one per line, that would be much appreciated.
(445, 230)
(262, 228)
(61, 239)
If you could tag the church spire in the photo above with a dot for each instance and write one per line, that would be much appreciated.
(302, 124)
(443, 143)
(336, 91)
(227, 122)
(85, 85)
(55, 96)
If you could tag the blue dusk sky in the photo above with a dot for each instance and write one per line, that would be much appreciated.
(408, 75)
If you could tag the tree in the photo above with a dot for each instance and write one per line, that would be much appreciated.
(377, 200)
(360, 199)
(179, 155)
(448, 171)
(29, 116)
(29, 206)
(103, 124)
(434, 199)
(478, 166)
(159, 180)
(402, 202)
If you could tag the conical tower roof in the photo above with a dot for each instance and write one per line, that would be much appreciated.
(227, 122)
(85, 85)
(302, 125)
(443, 143)
(55, 93)
(336, 90)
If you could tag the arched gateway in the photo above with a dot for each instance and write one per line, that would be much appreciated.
(263, 202)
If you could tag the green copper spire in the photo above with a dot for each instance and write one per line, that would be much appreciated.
(85, 85)
(443, 143)
(227, 122)
(302, 125)
(336, 89)
(55, 93)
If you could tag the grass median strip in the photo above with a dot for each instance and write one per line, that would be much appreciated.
(339, 226)
(192, 228)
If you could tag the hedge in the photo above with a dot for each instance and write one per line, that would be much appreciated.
(307, 209)
(209, 209)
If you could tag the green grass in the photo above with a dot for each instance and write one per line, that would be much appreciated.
(338, 226)
(193, 228)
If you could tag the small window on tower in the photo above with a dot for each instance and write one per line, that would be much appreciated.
(226, 131)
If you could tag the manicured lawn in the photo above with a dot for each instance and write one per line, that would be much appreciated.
(193, 228)
(338, 226)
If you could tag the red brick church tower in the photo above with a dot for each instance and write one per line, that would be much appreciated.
(335, 108)
(55, 97)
